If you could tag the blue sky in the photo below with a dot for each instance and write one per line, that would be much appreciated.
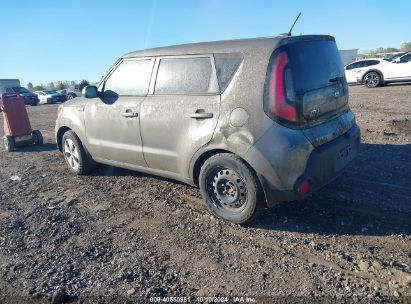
(51, 40)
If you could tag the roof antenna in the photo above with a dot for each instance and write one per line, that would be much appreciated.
(289, 33)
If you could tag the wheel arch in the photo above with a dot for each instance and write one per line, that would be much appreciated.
(201, 158)
(59, 140)
(59, 137)
(373, 70)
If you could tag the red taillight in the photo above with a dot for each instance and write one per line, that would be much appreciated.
(276, 91)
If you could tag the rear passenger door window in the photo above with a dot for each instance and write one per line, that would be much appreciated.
(193, 75)
(130, 78)
(372, 62)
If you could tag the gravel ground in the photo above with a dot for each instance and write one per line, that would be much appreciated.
(119, 235)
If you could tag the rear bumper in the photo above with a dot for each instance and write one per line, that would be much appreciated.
(327, 161)
(322, 164)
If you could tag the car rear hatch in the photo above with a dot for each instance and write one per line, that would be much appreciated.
(306, 88)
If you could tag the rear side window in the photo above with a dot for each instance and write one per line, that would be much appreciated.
(372, 62)
(226, 66)
(315, 64)
(130, 78)
(185, 76)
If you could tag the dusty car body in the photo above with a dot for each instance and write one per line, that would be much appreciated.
(256, 132)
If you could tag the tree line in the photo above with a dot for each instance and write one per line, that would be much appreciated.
(405, 47)
(59, 85)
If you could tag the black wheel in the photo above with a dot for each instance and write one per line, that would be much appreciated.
(9, 144)
(37, 137)
(70, 96)
(49, 100)
(75, 155)
(230, 188)
(372, 80)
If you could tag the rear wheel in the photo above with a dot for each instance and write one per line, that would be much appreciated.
(9, 144)
(230, 188)
(372, 80)
(75, 155)
(37, 137)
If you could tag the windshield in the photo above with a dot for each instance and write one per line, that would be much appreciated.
(392, 57)
(20, 90)
(50, 92)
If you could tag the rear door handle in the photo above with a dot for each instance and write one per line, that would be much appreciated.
(201, 115)
(129, 114)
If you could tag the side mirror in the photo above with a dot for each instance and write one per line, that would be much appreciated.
(397, 60)
(90, 92)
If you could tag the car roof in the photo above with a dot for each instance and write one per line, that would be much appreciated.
(405, 54)
(379, 59)
(223, 46)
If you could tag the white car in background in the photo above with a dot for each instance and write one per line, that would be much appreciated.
(50, 96)
(356, 70)
(399, 70)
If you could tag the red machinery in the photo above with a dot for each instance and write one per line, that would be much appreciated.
(17, 128)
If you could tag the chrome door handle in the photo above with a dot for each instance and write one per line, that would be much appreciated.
(129, 114)
(201, 115)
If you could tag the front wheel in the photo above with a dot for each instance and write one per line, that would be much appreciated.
(230, 188)
(75, 155)
(37, 137)
(372, 80)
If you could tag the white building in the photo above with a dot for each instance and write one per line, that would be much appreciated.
(348, 56)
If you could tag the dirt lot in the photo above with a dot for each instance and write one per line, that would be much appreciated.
(123, 235)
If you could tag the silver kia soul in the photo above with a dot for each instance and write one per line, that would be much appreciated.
(252, 122)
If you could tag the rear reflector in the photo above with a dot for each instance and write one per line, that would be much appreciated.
(305, 186)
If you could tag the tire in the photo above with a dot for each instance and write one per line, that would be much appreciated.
(9, 144)
(70, 96)
(75, 155)
(230, 189)
(49, 101)
(372, 79)
(37, 137)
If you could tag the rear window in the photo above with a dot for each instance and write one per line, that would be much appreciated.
(372, 62)
(185, 76)
(314, 64)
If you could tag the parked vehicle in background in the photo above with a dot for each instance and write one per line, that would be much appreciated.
(69, 94)
(50, 96)
(252, 122)
(356, 69)
(392, 57)
(399, 70)
(29, 97)
(13, 86)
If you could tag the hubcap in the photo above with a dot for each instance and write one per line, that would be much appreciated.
(229, 189)
(71, 154)
(372, 79)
